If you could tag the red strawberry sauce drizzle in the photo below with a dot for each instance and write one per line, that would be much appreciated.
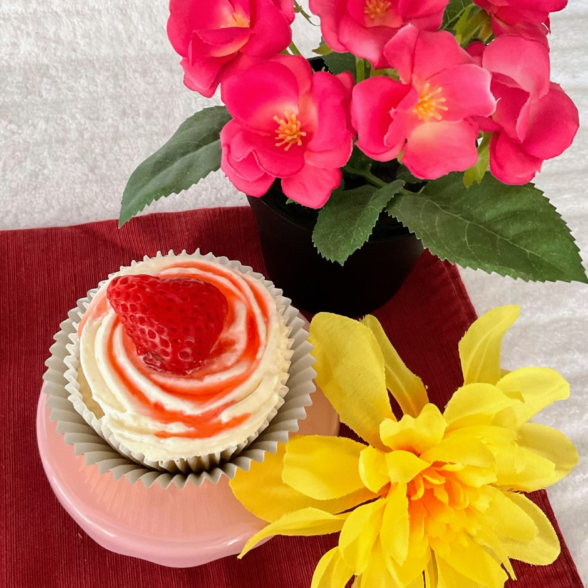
(208, 423)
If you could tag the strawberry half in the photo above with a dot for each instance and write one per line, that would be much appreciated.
(173, 322)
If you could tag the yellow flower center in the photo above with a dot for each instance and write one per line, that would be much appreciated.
(239, 20)
(445, 505)
(430, 104)
(376, 8)
(289, 131)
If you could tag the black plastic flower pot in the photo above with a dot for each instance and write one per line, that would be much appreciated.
(368, 279)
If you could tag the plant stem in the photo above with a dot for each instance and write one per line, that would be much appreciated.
(367, 175)
(294, 49)
(360, 69)
(457, 17)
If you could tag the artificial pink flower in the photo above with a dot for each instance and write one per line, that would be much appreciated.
(535, 120)
(217, 38)
(363, 27)
(428, 114)
(527, 18)
(290, 124)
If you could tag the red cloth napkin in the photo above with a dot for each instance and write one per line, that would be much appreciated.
(44, 272)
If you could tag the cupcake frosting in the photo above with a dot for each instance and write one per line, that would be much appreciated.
(221, 403)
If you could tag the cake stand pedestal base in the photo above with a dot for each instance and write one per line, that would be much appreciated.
(172, 527)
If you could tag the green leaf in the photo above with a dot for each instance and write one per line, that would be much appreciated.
(322, 49)
(511, 230)
(340, 62)
(347, 220)
(454, 10)
(404, 174)
(190, 155)
(477, 172)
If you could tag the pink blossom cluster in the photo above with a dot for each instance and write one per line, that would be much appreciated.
(427, 102)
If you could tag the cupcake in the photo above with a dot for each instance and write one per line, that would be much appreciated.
(180, 362)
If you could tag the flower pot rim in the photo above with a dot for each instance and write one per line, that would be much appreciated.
(399, 230)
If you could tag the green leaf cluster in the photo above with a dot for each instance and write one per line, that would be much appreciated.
(510, 230)
(190, 155)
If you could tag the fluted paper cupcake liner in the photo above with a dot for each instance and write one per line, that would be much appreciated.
(95, 441)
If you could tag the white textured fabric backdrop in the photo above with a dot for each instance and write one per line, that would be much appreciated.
(89, 88)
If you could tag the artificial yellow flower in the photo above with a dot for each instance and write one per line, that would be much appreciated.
(432, 500)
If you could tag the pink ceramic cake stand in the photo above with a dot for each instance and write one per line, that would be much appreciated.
(173, 527)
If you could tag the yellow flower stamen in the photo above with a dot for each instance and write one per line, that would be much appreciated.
(289, 131)
(376, 8)
(430, 103)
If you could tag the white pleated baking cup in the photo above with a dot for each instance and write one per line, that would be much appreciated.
(82, 429)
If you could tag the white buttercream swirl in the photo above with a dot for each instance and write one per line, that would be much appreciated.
(221, 403)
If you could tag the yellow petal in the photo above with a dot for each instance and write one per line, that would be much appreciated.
(490, 435)
(359, 535)
(323, 467)
(415, 434)
(524, 470)
(351, 373)
(450, 578)
(461, 450)
(476, 405)
(544, 549)
(262, 491)
(396, 524)
(431, 575)
(410, 573)
(507, 519)
(373, 469)
(473, 562)
(479, 349)
(408, 389)
(491, 542)
(403, 466)
(331, 571)
(550, 444)
(379, 573)
(304, 523)
(539, 387)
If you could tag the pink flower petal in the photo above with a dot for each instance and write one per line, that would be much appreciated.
(476, 51)
(203, 75)
(404, 120)
(552, 125)
(466, 91)
(222, 42)
(312, 186)
(270, 29)
(330, 13)
(435, 52)
(436, 149)
(510, 113)
(371, 105)
(301, 69)
(275, 160)
(287, 9)
(262, 92)
(530, 69)
(338, 156)
(330, 99)
(509, 163)
(411, 9)
(186, 16)
(430, 22)
(367, 43)
(399, 52)
(244, 173)
(419, 55)
(346, 78)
